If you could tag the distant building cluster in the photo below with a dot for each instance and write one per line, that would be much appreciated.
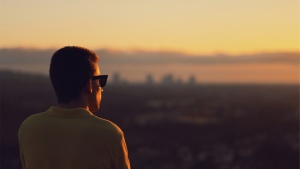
(167, 79)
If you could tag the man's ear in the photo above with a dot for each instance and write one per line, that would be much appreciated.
(88, 86)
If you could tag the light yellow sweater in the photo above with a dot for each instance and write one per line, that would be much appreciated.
(71, 139)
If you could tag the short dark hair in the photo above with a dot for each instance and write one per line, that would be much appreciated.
(70, 68)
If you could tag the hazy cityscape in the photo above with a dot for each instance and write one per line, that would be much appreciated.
(237, 126)
(168, 79)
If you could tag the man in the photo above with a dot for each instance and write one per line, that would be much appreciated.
(69, 136)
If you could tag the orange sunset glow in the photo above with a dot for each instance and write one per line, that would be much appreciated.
(189, 84)
(190, 27)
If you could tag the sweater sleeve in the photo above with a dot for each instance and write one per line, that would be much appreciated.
(21, 148)
(22, 159)
(122, 160)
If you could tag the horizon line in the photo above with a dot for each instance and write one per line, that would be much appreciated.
(125, 82)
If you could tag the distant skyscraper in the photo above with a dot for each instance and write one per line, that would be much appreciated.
(116, 78)
(149, 79)
(192, 80)
(179, 82)
(167, 79)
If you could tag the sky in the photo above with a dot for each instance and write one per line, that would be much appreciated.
(192, 26)
(256, 32)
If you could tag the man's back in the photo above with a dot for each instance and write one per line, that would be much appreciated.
(71, 139)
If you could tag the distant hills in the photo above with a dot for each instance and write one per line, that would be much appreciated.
(20, 55)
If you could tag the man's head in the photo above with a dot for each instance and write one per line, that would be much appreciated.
(71, 72)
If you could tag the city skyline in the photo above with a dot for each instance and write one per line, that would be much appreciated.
(166, 79)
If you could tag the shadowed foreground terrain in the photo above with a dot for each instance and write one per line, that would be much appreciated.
(178, 126)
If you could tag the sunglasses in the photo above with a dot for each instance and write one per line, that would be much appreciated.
(102, 79)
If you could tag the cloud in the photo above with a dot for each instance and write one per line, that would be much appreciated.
(43, 56)
(142, 57)
(20, 55)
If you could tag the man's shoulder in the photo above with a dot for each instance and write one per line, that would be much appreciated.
(30, 123)
(32, 119)
(103, 129)
(107, 125)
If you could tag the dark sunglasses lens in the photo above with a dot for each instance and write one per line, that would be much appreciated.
(102, 81)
